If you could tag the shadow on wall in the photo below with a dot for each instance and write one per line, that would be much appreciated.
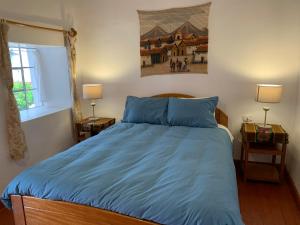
(25, 17)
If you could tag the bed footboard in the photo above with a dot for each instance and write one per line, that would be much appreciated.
(36, 211)
(18, 209)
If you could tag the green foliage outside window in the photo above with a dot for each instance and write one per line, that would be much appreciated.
(20, 95)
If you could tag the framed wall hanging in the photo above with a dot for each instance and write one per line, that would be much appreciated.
(174, 40)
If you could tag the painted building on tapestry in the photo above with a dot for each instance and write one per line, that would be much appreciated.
(174, 41)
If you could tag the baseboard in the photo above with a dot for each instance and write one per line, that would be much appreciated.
(293, 188)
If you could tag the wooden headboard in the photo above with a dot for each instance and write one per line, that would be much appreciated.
(220, 116)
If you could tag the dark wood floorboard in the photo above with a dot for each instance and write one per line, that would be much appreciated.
(267, 204)
(6, 217)
(260, 203)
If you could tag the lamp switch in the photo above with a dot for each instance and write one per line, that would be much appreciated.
(247, 118)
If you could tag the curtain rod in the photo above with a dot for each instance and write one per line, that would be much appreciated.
(33, 26)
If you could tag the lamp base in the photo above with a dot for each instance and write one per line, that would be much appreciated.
(93, 118)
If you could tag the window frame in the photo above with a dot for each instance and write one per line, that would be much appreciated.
(21, 68)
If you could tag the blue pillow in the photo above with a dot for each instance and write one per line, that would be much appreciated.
(146, 110)
(192, 112)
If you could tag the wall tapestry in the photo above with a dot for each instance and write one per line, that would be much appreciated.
(174, 41)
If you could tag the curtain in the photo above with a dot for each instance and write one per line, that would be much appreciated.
(70, 40)
(16, 138)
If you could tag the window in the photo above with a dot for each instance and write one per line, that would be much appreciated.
(41, 79)
(26, 75)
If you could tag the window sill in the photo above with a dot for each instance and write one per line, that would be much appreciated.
(31, 114)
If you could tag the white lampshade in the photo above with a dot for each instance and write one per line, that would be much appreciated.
(269, 93)
(92, 91)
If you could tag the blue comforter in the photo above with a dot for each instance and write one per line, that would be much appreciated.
(169, 175)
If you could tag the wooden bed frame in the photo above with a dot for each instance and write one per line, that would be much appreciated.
(35, 211)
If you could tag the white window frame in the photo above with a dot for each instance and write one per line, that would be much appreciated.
(45, 104)
(21, 68)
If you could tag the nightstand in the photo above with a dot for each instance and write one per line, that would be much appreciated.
(87, 127)
(257, 141)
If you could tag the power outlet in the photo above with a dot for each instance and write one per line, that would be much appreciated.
(247, 118)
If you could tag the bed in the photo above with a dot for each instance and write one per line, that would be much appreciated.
(134, 174)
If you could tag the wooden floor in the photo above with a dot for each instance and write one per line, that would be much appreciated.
(268, 204)
(6, 217)
(261, 204)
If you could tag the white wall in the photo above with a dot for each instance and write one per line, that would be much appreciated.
(293, 161)
(47, 135)
(250, 42)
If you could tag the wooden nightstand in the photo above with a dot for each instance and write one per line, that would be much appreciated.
(87, 128)
(271, 143)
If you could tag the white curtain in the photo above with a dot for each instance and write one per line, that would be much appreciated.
(16, 138)
(70, 40)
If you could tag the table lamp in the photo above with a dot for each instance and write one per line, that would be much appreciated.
(92, 92)
(268, 93)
